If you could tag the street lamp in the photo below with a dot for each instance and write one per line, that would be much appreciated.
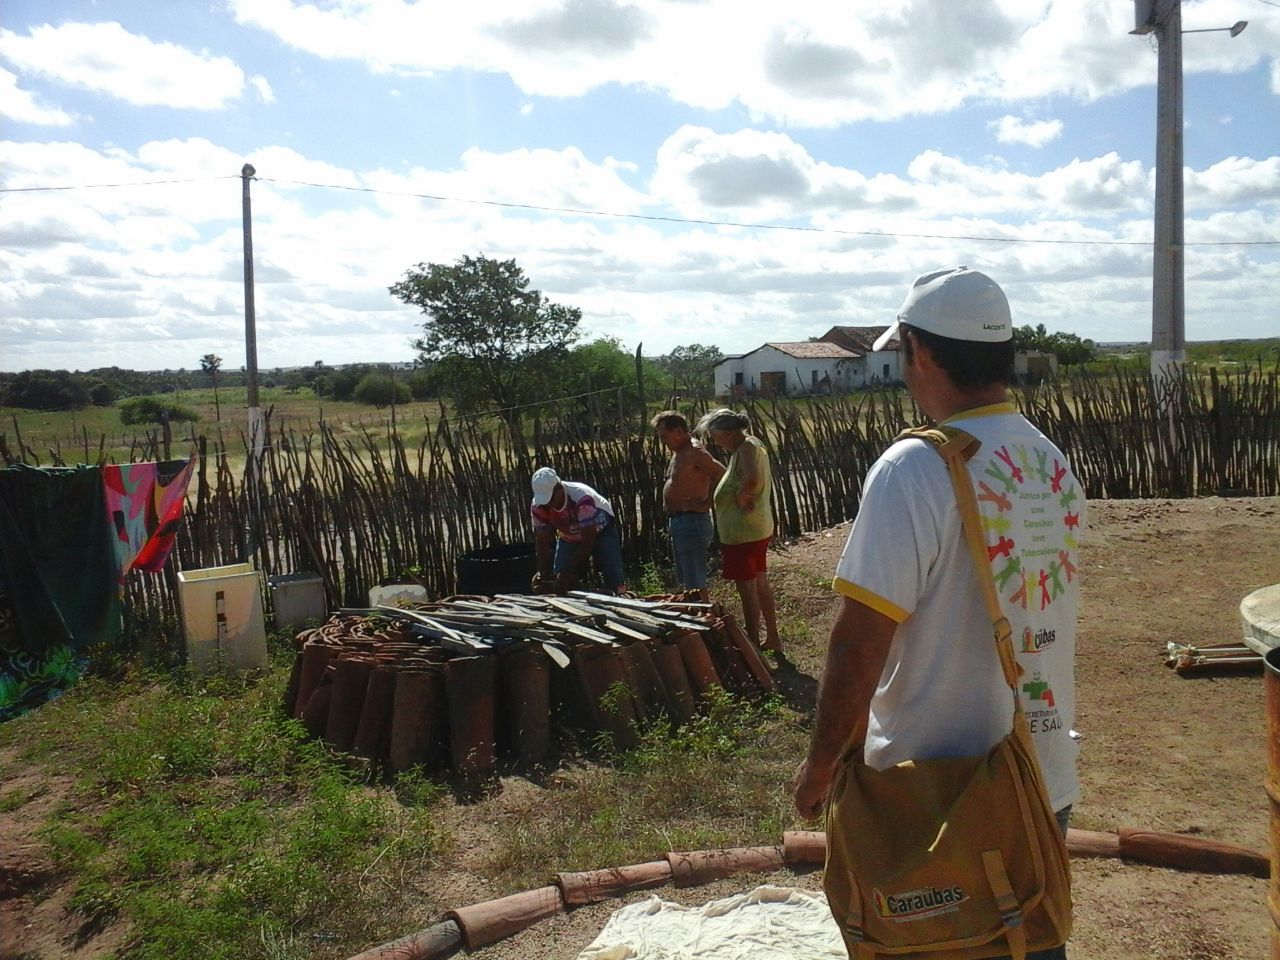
(1168, 313)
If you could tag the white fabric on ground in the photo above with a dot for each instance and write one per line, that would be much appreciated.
(769, 923)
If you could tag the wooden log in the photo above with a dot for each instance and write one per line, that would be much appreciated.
(691, 868)
(1091, 843)
(804, 847)
(1192, 853)
(592, 886)
(485, 923)
(434, 943)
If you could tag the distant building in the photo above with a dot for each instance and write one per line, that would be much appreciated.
(786, 369)
(839, 360)
(1032, 366)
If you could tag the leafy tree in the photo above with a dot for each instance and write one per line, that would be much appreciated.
(47, 390)
(380, 389)
(1067, 347)
(211, 363)
(137, 410)
(102, 394)
(691, 369)
(495, 342)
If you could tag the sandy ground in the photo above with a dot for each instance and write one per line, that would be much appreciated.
(1160, 752)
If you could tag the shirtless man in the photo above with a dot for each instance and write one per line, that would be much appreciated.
(687, 494)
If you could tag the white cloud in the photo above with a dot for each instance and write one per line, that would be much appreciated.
(263, 88)
(1036, 133)
(20, 105)
(155, 271)
(107, 59)
(804, 63)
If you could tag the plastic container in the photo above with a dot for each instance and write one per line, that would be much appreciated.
(508, 568)
(222, 621)
(297, 598)
(389, 593)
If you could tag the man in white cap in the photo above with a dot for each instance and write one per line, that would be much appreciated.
(911, 670)
(571, 523)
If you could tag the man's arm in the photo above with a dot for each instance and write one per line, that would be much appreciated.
(713, 469)
(544, 538)
(856, 655)
(582, 552)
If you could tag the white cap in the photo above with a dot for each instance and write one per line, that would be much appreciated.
(544, 483)
(959, 303)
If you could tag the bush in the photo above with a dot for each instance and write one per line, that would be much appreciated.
(153, 410)
(380, 390)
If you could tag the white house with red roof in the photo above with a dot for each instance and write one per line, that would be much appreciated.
(839, 360)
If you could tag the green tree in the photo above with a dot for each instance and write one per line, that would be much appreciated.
(1067, 347)
(495, 342)
(380, 390)
(691, 369)
(137, 410)
(47, 390)
(211, 363)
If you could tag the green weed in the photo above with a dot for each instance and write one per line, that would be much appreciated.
(214, 826)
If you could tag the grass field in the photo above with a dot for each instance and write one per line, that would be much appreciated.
(76, 435)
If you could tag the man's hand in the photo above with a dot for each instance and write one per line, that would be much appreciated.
(543, 584)
(811, 789)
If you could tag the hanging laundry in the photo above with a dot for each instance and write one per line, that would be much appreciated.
(57, 578)
(144, 505)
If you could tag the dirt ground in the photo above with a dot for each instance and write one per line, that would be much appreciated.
(1160, 752)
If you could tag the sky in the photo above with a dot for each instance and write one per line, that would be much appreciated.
(722, 172)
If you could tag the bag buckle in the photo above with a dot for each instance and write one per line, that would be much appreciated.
(1011, 918)
(855, 933)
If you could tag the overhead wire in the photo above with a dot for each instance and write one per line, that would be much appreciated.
(654, 218)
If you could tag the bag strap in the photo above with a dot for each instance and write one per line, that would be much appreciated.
(957, 447)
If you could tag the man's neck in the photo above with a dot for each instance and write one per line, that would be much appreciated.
(952, 402)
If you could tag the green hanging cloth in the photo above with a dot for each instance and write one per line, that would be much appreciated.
(57, 564)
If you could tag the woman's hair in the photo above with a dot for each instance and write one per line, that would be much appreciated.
(722, 419)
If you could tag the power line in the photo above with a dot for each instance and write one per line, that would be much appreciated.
(656, 218)
(97, 186)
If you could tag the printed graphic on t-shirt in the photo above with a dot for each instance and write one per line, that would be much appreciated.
(1042, 712)
(1031, 559)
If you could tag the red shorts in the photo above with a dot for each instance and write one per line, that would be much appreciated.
(742, 561)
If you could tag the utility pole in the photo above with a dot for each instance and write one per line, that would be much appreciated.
(247, 173)
(1168, 309)
(252, 472)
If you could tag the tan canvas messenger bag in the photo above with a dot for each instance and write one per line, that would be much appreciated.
(950, 858)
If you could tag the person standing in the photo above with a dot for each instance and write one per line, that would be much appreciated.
(744, 520)
(911, 671)
(687, 496)
(572, 523)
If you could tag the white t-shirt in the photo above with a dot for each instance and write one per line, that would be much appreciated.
(942, 693)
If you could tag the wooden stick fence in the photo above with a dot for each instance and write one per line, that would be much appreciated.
(362, 508)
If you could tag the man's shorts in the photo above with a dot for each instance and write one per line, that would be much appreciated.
(743, 561)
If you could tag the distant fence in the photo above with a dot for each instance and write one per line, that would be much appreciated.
(360, 510)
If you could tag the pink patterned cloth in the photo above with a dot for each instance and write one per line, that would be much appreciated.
(144, 507)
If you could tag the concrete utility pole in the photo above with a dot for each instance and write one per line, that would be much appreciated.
(1168, 310)
(1168, 305)
(247, 173)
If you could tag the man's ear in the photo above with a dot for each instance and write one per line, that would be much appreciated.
(922, 356)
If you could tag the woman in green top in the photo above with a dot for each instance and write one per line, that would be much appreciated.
(744, 520)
